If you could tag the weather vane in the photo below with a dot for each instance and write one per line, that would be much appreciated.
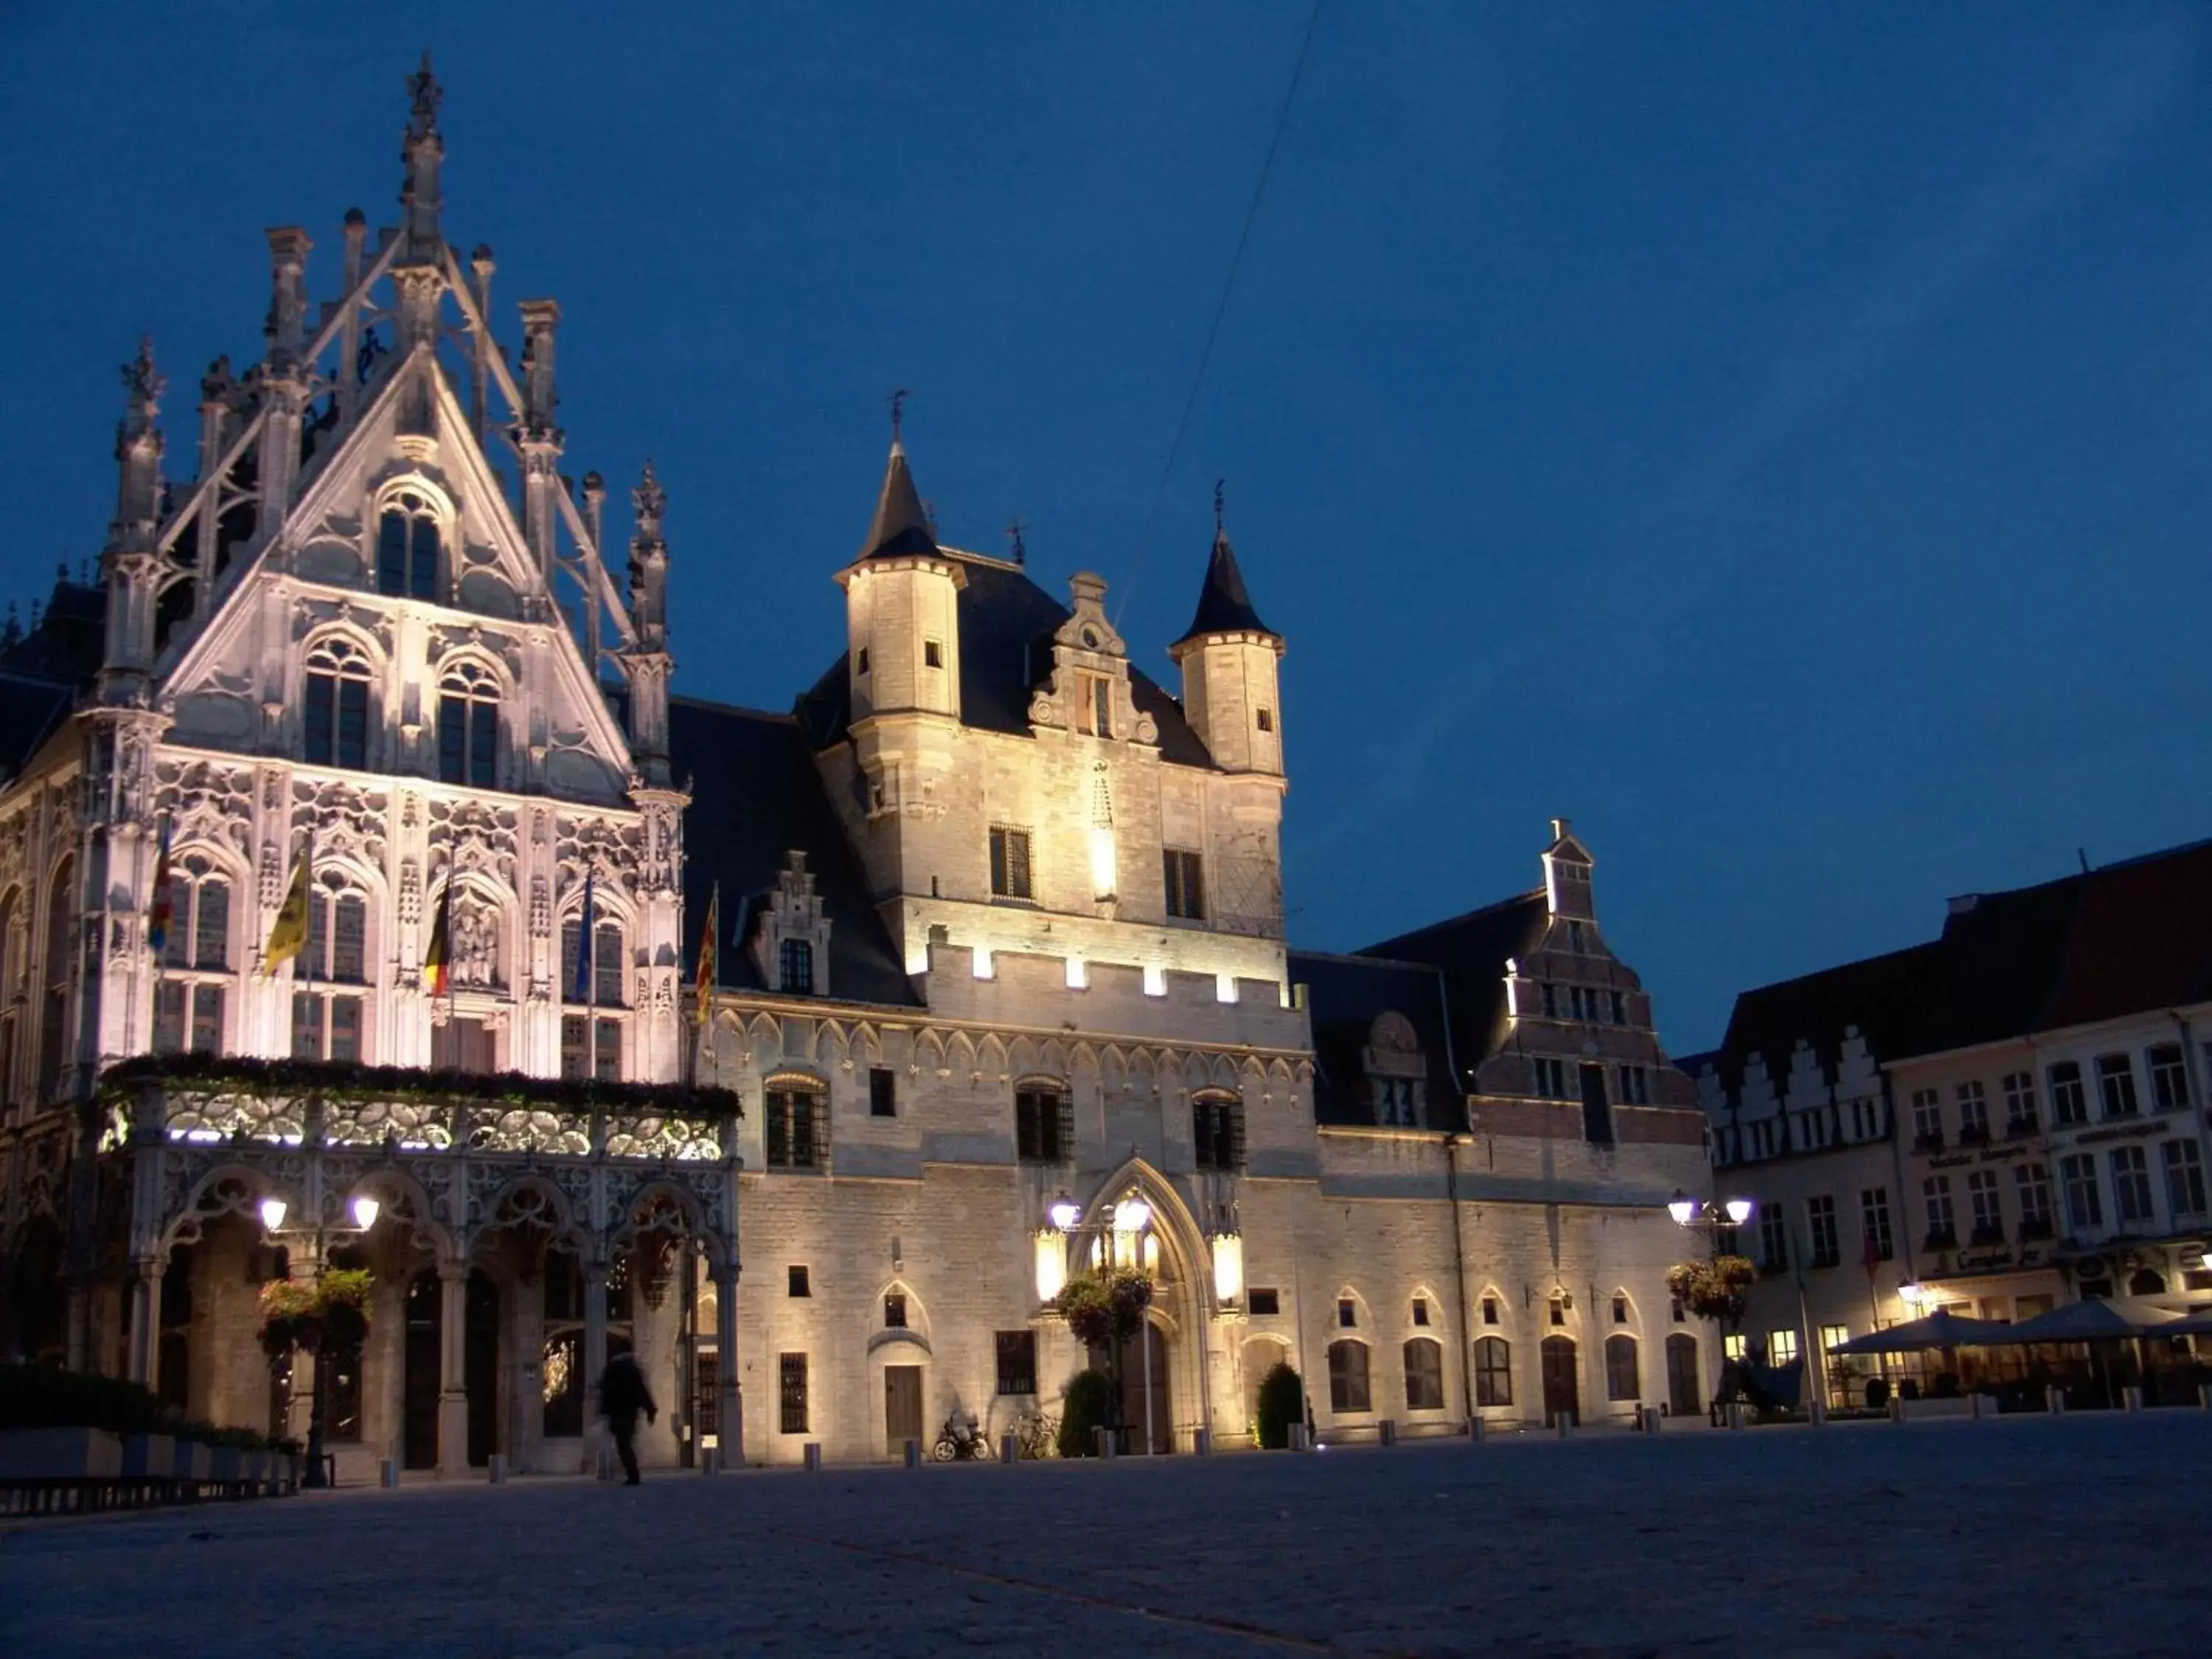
(898, 411)
(1217, 484)
(1014, 535)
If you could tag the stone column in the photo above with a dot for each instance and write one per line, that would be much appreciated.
(453, 1375)
(729, 1409)
(144, 1363)
(595, 1357)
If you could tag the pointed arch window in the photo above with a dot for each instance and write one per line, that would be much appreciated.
(336, 705)
(328, 1011)
(61, 910)
(188, 1008)
(407, 547)
(468, 726)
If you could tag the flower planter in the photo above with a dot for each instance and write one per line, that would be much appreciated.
(60, 1455)
(193, 1461)
(150, 1457)
(225, 1465)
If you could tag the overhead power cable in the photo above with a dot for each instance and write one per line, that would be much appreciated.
(1221, 307)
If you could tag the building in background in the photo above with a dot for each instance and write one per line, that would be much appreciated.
(2006, 1118)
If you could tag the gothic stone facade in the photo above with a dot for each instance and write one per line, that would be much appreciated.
(1001, 971)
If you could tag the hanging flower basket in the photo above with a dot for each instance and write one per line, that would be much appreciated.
(300, 1313)
(1719, 1289)
(1103, 1306)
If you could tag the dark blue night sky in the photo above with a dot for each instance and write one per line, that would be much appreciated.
(1780, 441)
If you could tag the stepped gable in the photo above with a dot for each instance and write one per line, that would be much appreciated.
(755, 796)
(1007, 626)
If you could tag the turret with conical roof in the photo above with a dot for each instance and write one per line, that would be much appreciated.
(901, 605)
(1228, 657)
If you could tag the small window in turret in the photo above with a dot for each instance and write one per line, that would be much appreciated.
(860, 663)
(933, 654)
(1266, 717)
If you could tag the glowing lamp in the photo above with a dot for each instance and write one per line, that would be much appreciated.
(272, 1213)
(1050, 1253)
(1105, 867)
(1065, 1212)
(1228, 1266)
(1739, 1210)
(1684, 1209)
(1132, 1215)
(364, 1212)
(1910, 1293)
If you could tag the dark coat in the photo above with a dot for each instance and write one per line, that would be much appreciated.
(623, 1393)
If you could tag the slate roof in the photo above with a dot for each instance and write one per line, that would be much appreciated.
(42, 674)
(1470, 953)
(2128, 938)
(1223, 605)
(1344, 997)
(756, 795)
(1006, 624)
(900, 526)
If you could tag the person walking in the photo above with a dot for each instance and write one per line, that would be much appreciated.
(623, 1395)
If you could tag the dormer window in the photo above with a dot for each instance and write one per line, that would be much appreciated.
(407, 547)
(1094, 715)
(793, 946)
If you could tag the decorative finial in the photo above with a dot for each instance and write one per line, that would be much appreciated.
(649, 501)
(898, 411)
(424, 93)
(12, 634)
(1021, 553)
(1218, 483)
(141, 382)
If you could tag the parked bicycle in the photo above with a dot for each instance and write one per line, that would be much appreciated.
(961, 1441)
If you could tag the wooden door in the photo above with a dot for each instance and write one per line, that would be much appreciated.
(1684, 1388)
(1561, 1391)
(902, 1407)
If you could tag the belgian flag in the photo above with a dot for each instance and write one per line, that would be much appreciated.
(441, 946)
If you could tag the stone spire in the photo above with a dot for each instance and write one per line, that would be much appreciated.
(1223, 604)
(902, 525)
(648, 660)
(422, 151)
(138, 454)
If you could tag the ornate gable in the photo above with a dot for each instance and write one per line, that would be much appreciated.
(1088, 689)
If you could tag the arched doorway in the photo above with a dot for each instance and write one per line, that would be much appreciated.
(1135, 1220)
(419, 1392)
(1562, 1389)
(1684, 1388)
(480, 1365)
(1147, 1413)
(37, 1309)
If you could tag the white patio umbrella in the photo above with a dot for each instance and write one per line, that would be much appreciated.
(1941, 1329)
(2195, 1323)
(2090, 1321)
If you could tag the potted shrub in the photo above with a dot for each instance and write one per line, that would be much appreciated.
(1085, 1409)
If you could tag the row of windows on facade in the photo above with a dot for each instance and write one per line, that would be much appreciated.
(199, 940)
(335, 720)
(1549, 1076)
(1804, 1132)
(1013, 874)
(2181, 1164)
(2116, 1096)
(796, 1123)
(1593, 1004)
(1015, 1353)
(1422, 1357)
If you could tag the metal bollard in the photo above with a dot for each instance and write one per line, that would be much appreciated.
(811, 1453)
(1386, 1431)
(495, 1469)
(1736, 1413)
(1110, 1444)
(1816, 1411)
(2204, 1397)
(2131, 1399)
(606, 1463)
(1010, 1447)
(1897, 1408)
(2054, 1399)
(1201, 1442)
(710, 1460)
(1300, 1440)
(1477, 1432)
(387, 1474)
(1563, 1425)
(913, 1455)
(1650, 1419)
(1976, 1402)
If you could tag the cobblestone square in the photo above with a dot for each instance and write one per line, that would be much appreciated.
(2022, 1535)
